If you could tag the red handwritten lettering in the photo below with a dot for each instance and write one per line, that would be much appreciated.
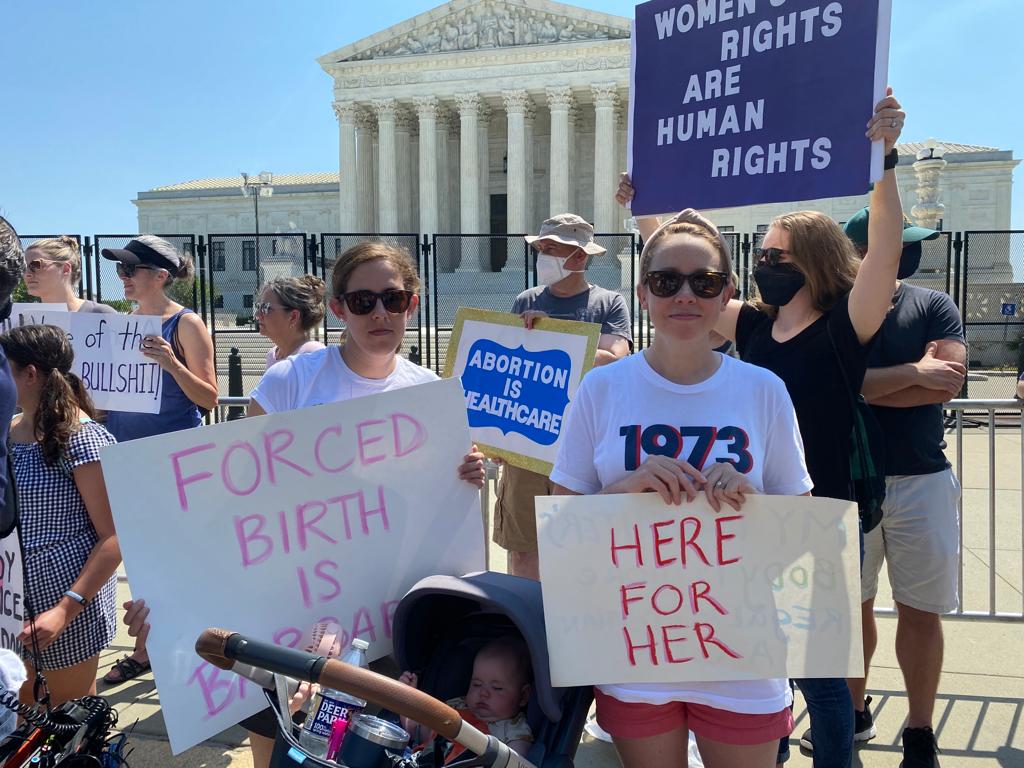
(667, 641)
(691, 541)
(635, 546)
(659, 540)
(701, 590)
(632, 647)
(670, 588)
(626, 600)
(706, 635)
(723, 537)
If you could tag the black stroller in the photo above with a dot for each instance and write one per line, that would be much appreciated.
(439, 626)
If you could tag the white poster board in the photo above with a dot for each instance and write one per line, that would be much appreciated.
(267, 525)
(636, 591)
(111, 365)
(519, 383)
(37, 313)
(12, 592)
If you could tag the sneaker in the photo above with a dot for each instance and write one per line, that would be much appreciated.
(863, 727)
(919, 748)
(863, 723)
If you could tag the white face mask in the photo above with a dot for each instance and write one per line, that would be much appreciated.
(551, 269)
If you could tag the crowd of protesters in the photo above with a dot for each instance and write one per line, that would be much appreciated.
(828, 301)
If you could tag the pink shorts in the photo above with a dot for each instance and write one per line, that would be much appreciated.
(628, 720)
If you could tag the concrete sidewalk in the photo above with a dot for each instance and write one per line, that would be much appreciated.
(981, 701)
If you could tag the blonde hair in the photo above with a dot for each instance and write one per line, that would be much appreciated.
(825, 255)
(304, 293)
(367, 251)
(61, 250)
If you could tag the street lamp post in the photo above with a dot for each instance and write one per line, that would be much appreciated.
(260, 186)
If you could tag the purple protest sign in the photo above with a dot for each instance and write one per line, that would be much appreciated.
(738, 102)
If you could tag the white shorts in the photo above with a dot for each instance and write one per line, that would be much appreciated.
(919, 538)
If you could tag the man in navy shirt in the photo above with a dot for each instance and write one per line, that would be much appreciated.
(917, 362)
(12, 265)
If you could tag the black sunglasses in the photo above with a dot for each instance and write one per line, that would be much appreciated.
(129, 270)
(394, 300)
(705, 285)
(769, 256)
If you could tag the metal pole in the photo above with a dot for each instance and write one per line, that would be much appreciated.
(992, 511)
(256, 205)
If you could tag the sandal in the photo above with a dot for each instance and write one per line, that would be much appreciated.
(126, 668)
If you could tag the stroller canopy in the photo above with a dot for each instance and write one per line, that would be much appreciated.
(436, 604)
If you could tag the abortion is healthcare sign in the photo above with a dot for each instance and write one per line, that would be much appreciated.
(637, 591)
(519, 383)
(267, 526)
(737, 102)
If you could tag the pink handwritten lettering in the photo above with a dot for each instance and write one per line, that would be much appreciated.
(219, 688)
(225, 468)
(318, 448)
(180, 480)
(273, 453)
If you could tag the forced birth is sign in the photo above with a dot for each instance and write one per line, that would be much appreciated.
(269, 525)
(638, 591)
(739, 102)
(519, 383)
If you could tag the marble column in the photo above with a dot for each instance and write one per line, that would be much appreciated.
(559, 103)
(531, 190)
(928, 168)
(426, 111)
(366, 193)
(606, 98)
(516, 104)
(444, 172)
(483, 141)
(387, 187)
(469, 174)
(454, 177)
(574, 189)
(404, 169)
(345, 111)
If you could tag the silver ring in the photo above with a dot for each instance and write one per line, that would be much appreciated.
(719, 484)
(895, 122)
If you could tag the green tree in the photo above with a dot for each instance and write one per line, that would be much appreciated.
(181, 292)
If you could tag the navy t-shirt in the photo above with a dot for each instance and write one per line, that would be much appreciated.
(810, 369)
(913, 436)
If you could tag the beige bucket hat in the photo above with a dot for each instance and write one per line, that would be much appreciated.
(570, 229)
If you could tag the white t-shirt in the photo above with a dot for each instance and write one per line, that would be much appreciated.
(756, 429)
(322, 377)
(306, 346)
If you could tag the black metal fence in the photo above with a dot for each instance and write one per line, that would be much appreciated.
(489, 270)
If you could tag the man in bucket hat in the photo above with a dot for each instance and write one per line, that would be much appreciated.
(917, 363)
(564, 247)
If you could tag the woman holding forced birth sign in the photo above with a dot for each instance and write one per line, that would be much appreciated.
(374, 291)
(616, 444)
(147, 266)
(819, 307)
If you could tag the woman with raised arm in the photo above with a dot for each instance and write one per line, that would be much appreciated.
(817, 310)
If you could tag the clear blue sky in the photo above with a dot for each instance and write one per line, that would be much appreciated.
(104, 99)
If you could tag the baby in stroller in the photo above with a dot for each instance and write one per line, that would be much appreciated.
(495, 703)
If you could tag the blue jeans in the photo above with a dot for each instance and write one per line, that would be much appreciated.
(831, 712)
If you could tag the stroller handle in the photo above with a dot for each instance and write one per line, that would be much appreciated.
(223, 648)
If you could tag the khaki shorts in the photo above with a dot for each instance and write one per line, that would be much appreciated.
(919, 538)
(515, 519)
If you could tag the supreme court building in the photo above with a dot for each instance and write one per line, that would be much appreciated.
(487, 116)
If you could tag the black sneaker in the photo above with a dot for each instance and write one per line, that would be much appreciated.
(919, 748)
(863, 723)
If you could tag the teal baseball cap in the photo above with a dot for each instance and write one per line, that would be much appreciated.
(857, 230)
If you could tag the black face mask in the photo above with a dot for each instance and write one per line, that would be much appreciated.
(778, 284)
(910, 260)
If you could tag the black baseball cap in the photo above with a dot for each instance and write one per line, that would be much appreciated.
(147, 249)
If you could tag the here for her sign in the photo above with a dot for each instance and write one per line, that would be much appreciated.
(268, 525)
(638, 591)
(738, 102)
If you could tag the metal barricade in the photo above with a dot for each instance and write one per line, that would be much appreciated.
(990, 606)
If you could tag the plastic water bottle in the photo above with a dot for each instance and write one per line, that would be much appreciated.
(329, 704)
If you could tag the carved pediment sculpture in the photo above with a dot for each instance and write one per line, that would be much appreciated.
(484, 24)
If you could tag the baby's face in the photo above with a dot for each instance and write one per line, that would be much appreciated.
(495, 693)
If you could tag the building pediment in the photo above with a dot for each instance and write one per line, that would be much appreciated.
(467, 25)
